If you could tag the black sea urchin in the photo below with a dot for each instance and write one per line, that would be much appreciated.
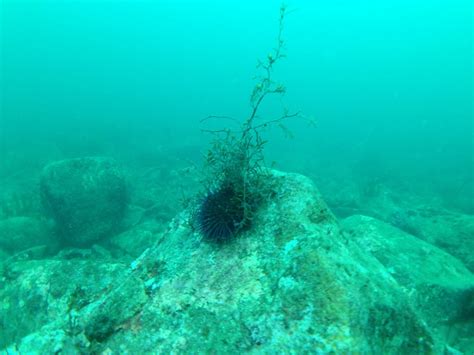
(221, 214)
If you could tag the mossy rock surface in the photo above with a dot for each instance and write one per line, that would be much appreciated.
(452, 232)
(48, 293)
(439, 285)
(292, 283)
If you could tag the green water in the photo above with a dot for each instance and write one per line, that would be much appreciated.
(384, 90)
(390, 80)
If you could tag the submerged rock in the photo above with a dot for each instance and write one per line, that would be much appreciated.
(48, 293)
(134, 241)
(438, 284)
(414, 212)
(21, 233)
(293, 283)
(87, 197)
(450, 231)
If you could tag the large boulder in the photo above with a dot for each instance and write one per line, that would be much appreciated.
(87, 197)
(293, 283)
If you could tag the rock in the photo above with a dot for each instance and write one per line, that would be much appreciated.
(133, 216)
(450, 231)
(51, 293)
(440, 285)
(131, 243)
(114, 310)
(417, 213)
(87, 197)
(49, 340)
(21, 233)
(293, 283)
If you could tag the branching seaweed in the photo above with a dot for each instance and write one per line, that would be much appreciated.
(235, 157)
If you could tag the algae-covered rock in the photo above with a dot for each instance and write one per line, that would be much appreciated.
(292, 283)
(409, 210)
(131, 243)
(20, 233)
(450, 231)
(50, 294)
(87, 197)
(439, 284)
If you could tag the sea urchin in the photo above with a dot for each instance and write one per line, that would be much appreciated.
(221, 214)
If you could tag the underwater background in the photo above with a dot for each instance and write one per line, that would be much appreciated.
(385, 95)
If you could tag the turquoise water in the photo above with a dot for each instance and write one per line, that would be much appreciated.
(390, 80)
(384, 90)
